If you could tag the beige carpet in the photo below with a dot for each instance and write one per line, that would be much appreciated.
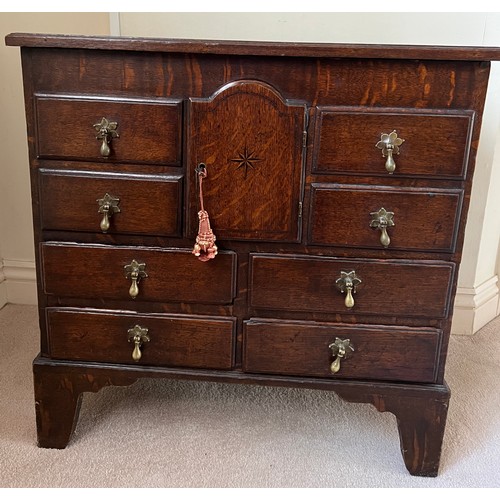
(196, 434)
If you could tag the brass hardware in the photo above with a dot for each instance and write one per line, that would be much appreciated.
(106, 131)
(382, 219)
(107, 206)
(347, 284)
(139, 336)
(135, 271)
(341, 349)
(389, 144)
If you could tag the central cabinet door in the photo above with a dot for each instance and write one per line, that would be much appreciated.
(251, 140)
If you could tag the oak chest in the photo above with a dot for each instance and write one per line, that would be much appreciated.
(336, 181)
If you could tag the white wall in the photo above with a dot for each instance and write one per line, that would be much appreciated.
(477, 299)
(357, 27)
(17, 267)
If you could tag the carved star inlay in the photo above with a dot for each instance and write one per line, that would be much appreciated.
(246, 160)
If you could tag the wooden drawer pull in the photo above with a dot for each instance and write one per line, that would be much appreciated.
(138, 335)
(108, 205)
(106, 130)
(347, 284)
(341, 349)
(135, 272)
(389, 144)
(382, 219)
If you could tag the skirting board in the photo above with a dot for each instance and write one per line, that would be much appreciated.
(474, 307)
(19, 282)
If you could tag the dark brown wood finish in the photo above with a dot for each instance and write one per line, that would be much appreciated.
(149, 204)
(283, 49)
(436, 142)
(420, 410)
(66, 128)
(186, 341)
(173, 275)
(388, 287)
(148, 131)
(424, 219)
(298, 348)
(287, 221)
(251, 142)
(318, 82)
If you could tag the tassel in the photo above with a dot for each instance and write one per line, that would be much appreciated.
(205, 247)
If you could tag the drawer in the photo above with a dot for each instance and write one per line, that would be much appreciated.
(149, 130)
(424, 219)
(436, 143)
(173, 275)
(174, 340)
(380, 352)
(147, 204)
(388, 287)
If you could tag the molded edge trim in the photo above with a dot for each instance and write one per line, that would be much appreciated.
(279, 49)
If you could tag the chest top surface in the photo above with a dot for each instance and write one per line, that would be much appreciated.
(285, 49)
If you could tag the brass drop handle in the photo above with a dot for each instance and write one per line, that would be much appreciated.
(135, 272)
(341, 349)
(106, 130)
(138, 335)
(347, 284)
(389, 144)
(108, 205)
(382, 219)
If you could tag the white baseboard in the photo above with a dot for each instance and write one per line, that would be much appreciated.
(19, 282)
(475, 307)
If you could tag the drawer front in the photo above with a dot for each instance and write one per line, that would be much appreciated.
(380, 352)
(435, 143)
(195, 342)
(148, 205)
(173, 275)
(388, 288)
(149, 131)
(423, 219)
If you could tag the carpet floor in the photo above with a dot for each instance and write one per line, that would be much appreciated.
(166, 433)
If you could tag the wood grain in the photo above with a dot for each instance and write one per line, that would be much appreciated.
(196, 341)
(371, 82)
(389, 287)
(420, 410)
(251, 142)
(149, 131)
(436, 143)
(174, 275)
(424, 219)
(149, 204)
(298, 348)
(288, 49)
